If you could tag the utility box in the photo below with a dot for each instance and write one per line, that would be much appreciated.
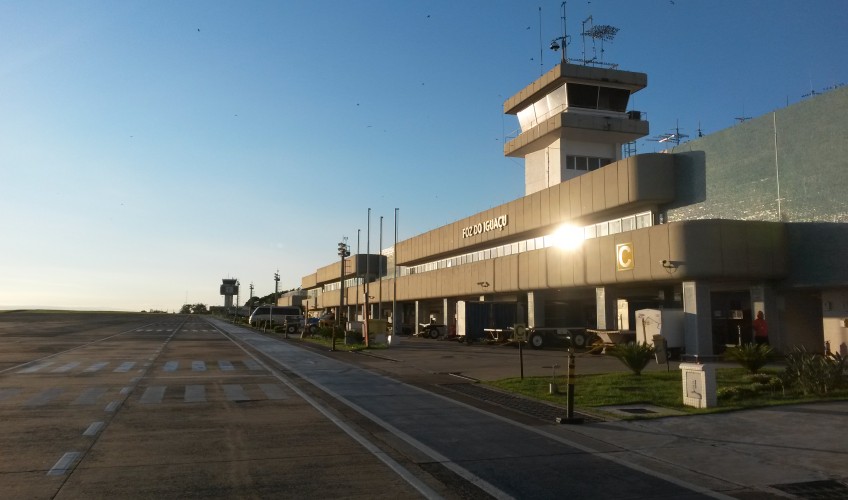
(699, 385)
(665, 322)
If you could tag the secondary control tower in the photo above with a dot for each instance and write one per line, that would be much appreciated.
(229, 288)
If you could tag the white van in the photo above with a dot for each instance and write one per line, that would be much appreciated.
(290, 316)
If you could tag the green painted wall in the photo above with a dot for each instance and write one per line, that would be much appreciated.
(735, 174)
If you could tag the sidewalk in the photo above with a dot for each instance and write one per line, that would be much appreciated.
(798, 451)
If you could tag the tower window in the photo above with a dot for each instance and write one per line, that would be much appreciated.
(594, 97)
(585, 162)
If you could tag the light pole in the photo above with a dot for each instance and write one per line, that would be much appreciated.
(343, 252)
(394, 281)
(380, 275)
(367, 278)
(276, 286)
(237, 302)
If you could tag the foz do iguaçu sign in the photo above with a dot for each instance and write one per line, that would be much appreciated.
(486, 226)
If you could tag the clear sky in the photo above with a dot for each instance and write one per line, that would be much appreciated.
(150, 148)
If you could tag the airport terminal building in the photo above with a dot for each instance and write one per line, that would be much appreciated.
(751, 218)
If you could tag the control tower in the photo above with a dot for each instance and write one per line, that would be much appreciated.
(573, 120)
(229, 288)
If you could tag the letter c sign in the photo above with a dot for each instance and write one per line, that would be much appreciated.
(624, 256)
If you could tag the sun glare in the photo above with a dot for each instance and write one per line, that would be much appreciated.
(569, 237)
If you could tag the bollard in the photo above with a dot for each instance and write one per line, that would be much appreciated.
(569, 405)
(521, 358)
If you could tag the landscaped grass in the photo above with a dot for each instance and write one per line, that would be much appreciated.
(340, 343)
(656, 388)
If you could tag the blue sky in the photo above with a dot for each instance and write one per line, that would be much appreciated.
(150, 148)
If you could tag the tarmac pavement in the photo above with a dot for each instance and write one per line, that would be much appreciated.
(795, 451)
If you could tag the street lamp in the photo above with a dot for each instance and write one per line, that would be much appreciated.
(343, 252)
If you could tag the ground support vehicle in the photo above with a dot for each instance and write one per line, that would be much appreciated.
(573, 336)
(432, 330)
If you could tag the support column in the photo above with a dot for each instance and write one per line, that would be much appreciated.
(417, 327)
(449, 308)
(606, 309)
(535, 310)
(697, 320)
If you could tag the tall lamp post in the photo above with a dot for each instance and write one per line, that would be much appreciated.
(343, 252)
(395, 329)
(249, 301)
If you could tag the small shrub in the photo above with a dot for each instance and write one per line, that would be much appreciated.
(752, 357)
(635, 356)
(814, 373)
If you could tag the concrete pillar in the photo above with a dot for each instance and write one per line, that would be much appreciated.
(697, 319)
(449, 308)
(535, 310)
(606, 309)
(418, 318)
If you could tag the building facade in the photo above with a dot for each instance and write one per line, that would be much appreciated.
(748, 219)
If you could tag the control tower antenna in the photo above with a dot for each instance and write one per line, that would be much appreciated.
(560, 43)
(673, 137)
(600, 32)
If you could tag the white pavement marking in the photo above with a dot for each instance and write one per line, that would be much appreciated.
(225, 366)
(398, 469)
(195, 394)
(90, 396)
(64, 464)
(96, 367)
(125, 367)
(153, 394)
(273, 391)
(112, 406)
(45, 397)
(66, 367)
(235, 392)
(36, 367)
(198, 366)
(93, 429)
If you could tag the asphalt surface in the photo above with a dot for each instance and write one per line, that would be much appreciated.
(797, 451)
(136, 406)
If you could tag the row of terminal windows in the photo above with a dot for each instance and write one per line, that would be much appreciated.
(614, 226)
(605, 228)
(585, 162)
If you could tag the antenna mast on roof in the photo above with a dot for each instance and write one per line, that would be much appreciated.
(673, 137)
(743, 118)
(562, 41)
(600, 32)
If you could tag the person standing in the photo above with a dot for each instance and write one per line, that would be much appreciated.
(760, 329)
